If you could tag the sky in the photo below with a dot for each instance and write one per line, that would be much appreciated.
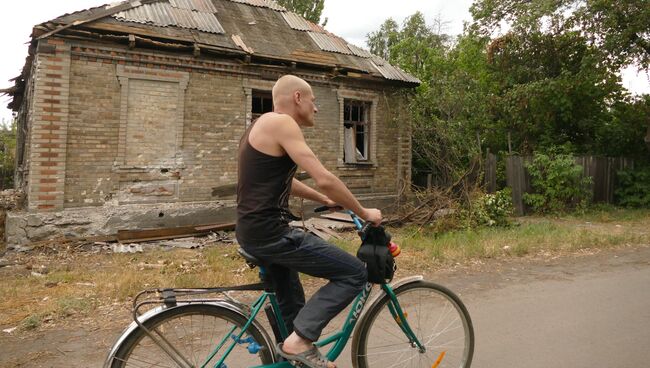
(350, 19)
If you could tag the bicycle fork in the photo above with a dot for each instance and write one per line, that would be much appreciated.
(400, 318)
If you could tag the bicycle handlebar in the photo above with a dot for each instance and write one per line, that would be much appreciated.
(362, 227)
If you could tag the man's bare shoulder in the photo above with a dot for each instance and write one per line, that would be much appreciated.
(273, 123)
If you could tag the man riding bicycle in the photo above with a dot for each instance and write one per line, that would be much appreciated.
(269, 153)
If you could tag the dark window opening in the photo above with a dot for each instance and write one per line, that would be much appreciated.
(356, 122)
(262, 103)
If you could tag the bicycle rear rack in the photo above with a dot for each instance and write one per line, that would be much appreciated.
(170, 297)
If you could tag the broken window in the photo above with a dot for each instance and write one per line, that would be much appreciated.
(356, 121)
(262, 103)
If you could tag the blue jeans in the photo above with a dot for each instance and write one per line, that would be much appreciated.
(298, 251)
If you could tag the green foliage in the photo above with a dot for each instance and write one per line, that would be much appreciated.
(619, 28)
(308, 9)
(633, 187)
(32, 322)
(545, 83)
(558, 183)
(7, 154)
(623, 133)
(552, 90)
(450, 103)
(493, 209)
(382, 40)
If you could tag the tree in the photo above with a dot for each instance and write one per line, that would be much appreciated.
(7, 153)
(446, 106)
(381, 41)
(308, 9)
(552, 90)
(619, 27)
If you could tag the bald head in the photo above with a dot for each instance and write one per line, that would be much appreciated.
(293, 96)
(285, 88)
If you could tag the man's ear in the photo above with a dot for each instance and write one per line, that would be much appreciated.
(297, 97)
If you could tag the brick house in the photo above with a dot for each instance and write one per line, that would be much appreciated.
(130, 114)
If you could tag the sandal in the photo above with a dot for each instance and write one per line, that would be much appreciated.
(311, 358)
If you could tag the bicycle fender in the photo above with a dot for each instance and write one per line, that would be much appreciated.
(150, 313)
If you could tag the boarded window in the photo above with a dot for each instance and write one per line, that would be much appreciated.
(356, 121)
(262, 103)
(151, 130)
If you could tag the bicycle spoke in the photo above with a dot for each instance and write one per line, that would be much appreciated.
(436, 320)
(194, 331)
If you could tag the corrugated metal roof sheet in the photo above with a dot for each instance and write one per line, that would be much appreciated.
(204, 6)
(330, 43)
(262, 4)
(164, 14)
(299, 23)
(391, 72)
(296, 22)
(358, 51)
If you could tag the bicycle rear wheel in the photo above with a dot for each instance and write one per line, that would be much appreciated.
(194, 331)
(437, 317)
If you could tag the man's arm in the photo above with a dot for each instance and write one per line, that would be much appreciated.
(301, 190)
(290, 137)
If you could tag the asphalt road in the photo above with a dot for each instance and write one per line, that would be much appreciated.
(593, 313)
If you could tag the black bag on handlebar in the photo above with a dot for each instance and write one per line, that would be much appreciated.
(375, 253)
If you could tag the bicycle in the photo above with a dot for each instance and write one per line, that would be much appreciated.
(410, 322)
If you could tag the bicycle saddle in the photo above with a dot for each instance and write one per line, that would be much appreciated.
(250, 259)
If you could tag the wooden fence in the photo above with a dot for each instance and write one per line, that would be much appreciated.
(602, 170)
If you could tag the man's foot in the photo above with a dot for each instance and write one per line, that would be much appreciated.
(297, 348)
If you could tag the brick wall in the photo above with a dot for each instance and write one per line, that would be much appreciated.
(214, 106)
(49, 122)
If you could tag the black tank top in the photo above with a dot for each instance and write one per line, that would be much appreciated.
(263, 190)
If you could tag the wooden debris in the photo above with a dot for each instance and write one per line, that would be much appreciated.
(323, 228)
(338, 217)
(62, 242)
(136, 236)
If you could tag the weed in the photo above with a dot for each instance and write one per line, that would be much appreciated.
(32, 322)
(68, 306)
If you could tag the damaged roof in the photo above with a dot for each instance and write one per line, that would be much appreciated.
(260, 28)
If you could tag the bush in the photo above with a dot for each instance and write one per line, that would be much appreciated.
(633, 188)
(492, 209)
(558, 184)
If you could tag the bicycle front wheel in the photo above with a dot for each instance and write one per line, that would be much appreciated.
(436, 316)
(190, 334)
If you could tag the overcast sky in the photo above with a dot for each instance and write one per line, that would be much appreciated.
(350, 19)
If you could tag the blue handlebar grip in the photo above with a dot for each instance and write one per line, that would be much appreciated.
(356, 220)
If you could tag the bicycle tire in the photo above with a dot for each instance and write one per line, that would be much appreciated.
(435, 314)
(195, 330)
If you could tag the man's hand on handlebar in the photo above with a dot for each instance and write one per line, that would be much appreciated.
(371, 215)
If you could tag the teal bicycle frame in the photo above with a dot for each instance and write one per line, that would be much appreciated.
(338, 339)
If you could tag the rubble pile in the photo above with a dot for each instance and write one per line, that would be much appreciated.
(9, 200)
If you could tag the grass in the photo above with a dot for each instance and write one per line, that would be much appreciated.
(78, 285)
(518, 241)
